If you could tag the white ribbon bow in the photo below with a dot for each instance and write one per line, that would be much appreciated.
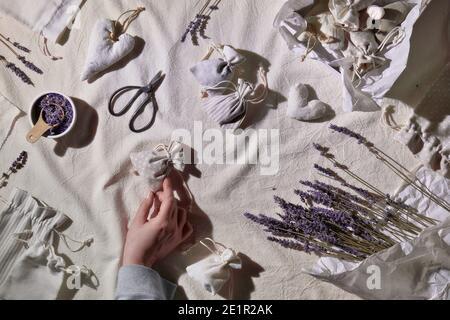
(156, 164)
(210, 72)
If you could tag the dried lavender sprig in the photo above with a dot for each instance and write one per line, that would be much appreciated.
(372, 198)
(198, 25)
(394, 165)
(20, 47)
(309, 244)
(343, 200)
(16, 70)
(350, 133)
(30, 65)
(16, 44)
(312, 224)
(15, 166)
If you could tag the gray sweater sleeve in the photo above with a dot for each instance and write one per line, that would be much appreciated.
(136, 282)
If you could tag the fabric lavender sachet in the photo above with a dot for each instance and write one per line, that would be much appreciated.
(156, 164)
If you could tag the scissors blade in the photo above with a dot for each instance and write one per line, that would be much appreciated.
(156, 82)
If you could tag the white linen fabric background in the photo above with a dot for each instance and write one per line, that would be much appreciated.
(86, 174)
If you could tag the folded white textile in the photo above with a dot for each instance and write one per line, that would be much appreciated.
(48, 17)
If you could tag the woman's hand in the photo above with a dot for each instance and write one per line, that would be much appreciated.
(152, 238)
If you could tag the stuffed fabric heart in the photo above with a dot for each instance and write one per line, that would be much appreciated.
(104, 52)
(211, 72)
(300, 109)
(156, 164)
(214, 271)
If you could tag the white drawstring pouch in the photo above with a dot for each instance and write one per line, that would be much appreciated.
(367, 93)
(416, 269)
(29, 266)
(214, 271)
(155, 165)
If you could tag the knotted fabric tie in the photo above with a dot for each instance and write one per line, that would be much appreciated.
(229, 110)
(156, 164)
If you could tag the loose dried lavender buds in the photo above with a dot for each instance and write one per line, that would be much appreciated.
(57, 110)
(17, 164)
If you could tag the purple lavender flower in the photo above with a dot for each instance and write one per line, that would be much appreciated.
(325, 171)
(290, 244)
(350, 133)
(15, 166)
(20, 47)
(30, 65)
(365, 194)
(203, 26)
(18, 72)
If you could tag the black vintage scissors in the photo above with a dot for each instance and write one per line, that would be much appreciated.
(148, 90)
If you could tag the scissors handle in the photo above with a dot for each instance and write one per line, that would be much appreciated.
(117, 94)
(149, 100)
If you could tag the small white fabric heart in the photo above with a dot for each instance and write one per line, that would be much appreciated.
(300, 109)
(375, 12)
(104, 52)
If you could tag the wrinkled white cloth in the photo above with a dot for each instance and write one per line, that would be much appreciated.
(87, 173)
(8, 116)
(49, 17)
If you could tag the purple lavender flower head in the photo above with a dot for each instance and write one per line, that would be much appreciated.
(325, 171)
(352, 134)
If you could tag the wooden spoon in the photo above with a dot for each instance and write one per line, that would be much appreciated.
(42, 127)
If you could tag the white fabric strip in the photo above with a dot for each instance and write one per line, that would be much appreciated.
(48, 17)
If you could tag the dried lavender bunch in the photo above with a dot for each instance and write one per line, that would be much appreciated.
(29, 65)
(15, 166)
(347, 222)
(16, 70)
(198, 25)
(372, 193)
(394, 166)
